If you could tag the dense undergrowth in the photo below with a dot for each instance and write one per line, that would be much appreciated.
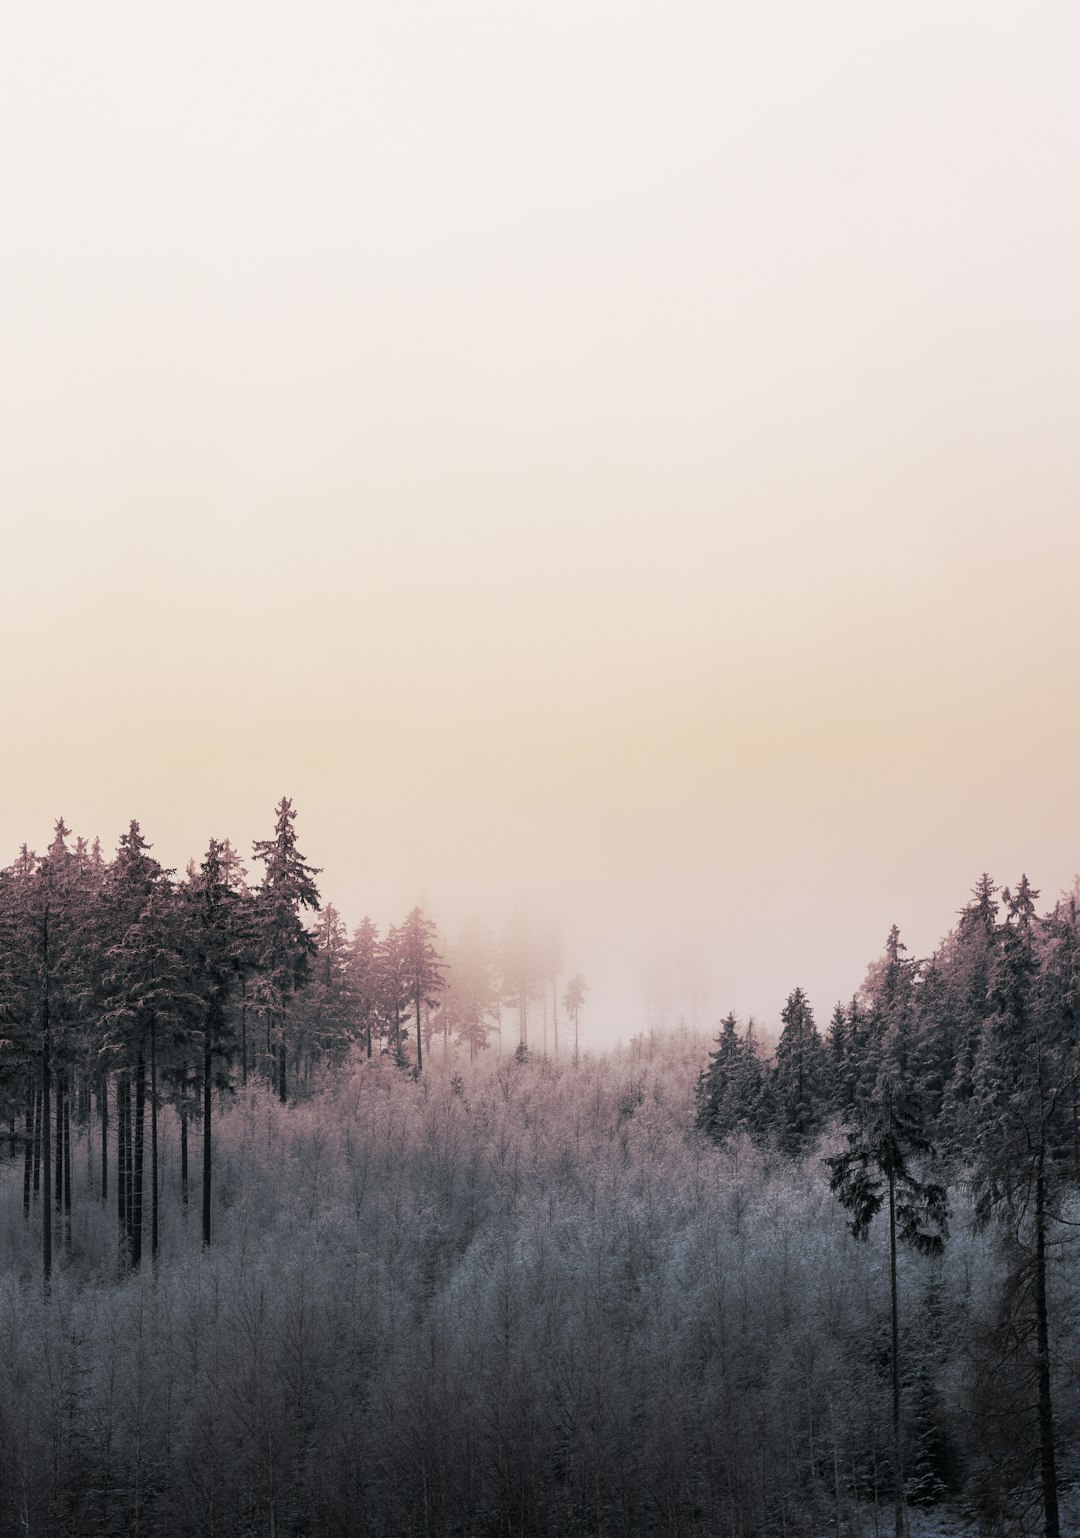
(521, 1298)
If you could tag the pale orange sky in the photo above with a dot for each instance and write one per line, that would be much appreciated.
(622, 455)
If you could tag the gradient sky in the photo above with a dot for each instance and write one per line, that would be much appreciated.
(623, 456)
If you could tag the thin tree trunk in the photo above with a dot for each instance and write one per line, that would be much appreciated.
(898, 1469)
(129, 1171)
(153, 1142)
(138, 1163)
(37, 1139)
(283, 1093)
(103, 1103)
(58, 1162)
(419, 1039)
(46, 1146)
(555, 1010)
(121, 1162)
(208, 1068)
(28, 1151)
(243, 1030)
(1047, 1454)
(67, 1160)
(183, 1155)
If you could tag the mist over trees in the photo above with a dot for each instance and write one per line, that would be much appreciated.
(317, 1231)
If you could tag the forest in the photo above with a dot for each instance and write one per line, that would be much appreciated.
(311, 1232)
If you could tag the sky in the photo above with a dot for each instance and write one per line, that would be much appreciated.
(621, 458)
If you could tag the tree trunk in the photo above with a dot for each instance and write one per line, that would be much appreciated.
(419, 1039)
(46, 1146)
(129, 1170)
(28, 1151)
(1047, 1455)
(37, 1139)
(138, 1163)
(183, 1156)
(103, 1105)
(283, 1090)
(898, 1468)
(555, 1010)
(243, 1030)
(208, 1069)
(153, 1143)
(58, 1163)
(121, 1162)
(67, 1160)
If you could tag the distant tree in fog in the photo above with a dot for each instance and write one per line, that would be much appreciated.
(573, 999)
(364, 964)
(421, 970)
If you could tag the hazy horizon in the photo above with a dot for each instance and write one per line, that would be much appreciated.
(610, 458)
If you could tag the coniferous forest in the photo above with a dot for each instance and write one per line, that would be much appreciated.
(312, 1232)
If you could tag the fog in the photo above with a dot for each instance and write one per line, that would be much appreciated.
(586, 456)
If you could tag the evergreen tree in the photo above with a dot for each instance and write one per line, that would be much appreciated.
(421, 970)
(470, 997)
(730, 1087)
(1022, 1135)
(216, 936)
(887, 1154)
(573, 999)
(364, 979)
(285, 948)
(799, 1080)
(326, 1009)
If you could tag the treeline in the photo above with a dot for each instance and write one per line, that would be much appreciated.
(505, 1298)
(955, 1075)
(125, 992)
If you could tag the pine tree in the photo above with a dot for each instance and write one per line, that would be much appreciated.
(325, 1014)
(142, 985)
(1022, 1135)
(285, 948)
(573, 999)
(887, 1153)
(364, 966)
(421, 970)
(215, 936)
(730, 1087)
(799, 1080)
(470, 996)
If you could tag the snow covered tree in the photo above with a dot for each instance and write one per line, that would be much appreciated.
(1022, 1134)
(421, 970)
(730, 1087)
(799, 1081)
(573, 999)
(887, 1158)
(285, 948)
(364, 979)
(215, 938)
(470, 997)
(326, 1009)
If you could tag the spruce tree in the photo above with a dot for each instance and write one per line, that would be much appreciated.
(285, 948)
(887, 1157)
(799, 1080)
(1021, 1140)
(421, 970)
(730, 1087)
